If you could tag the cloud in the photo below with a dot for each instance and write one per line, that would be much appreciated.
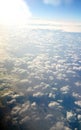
(33, 104)
(57, 2)
(68, 26)
(78, 84)
(78, 103)
(71, 117)
(41, 77)
(15, 110)
(76, 95)
(65, 89)
(59, 126)
(25, 108)
(13, 101)
(53, 2)
(49, 116)
(24, 120)
(38, 94)
(53, 104)
(51, 95)
(79, 117)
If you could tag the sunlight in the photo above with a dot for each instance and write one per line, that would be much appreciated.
(14, 11)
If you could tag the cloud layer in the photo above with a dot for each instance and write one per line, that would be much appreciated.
(40, 79)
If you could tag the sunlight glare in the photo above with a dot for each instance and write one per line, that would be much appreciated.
(14, 11)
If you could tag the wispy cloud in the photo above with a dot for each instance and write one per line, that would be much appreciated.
(67, 26)
(53, 2)
(57, 2)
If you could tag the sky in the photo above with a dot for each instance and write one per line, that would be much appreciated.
(14, 11)
(40, 69)
(63, 10)
(67, 10)
(21, 11)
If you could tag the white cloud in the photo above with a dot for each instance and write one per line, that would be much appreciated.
(71, 117)
(38, 94)
(78, 84)
(78, 103)
(24, 120)
(53, 104)
(67, 26)
(79, 117)
(33, 104)
(9, 93)
(57, 2)
(49, 116)
(15, 110)
(25, 107)
(11, 101)
(65, 89)
(51, 95)
(59, 126)
(76, 95)
(53, 2)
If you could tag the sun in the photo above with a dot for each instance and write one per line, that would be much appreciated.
(14, 11)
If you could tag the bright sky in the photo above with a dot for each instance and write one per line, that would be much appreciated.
(18, 11)
(14, 11)
(56, 9)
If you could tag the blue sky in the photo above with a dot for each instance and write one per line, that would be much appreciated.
(21, 11)
(68, 10)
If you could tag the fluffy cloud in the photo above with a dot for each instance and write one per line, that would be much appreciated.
(78, 103)
(51, 95)
(24, 120)
(49, 116)
(71, 117)
(78, 84)
(59, 126)
(15, 110)
(76, 95)
(65, 89)
(25, 108)
(53, 104)
(40, 73)
(79, 117)
(38, 94)
(13, 101)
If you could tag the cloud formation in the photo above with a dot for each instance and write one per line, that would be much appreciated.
(57, 2)
(59, 126)
(53, 2)
(42, 72)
